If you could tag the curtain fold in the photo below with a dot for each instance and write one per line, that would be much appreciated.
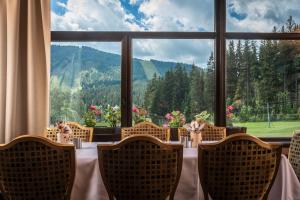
(24, 67)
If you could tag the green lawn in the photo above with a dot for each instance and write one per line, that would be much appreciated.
(277, 129)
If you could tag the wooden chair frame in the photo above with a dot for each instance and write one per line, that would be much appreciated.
(202, 148)
(143, 137)
(142, 125)
(49, 143)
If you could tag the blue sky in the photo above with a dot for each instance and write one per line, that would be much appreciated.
(169, 15)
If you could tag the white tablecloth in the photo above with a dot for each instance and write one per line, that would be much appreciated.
(88, 183)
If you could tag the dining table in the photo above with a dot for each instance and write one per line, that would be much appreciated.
(88, 184)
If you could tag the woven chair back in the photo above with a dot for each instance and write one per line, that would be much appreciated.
(294, 154)
(140, 167)
(182, 132)
(78, 131)
(211, 132)
(51, 133)
(238, 167)
(82, 132)
(36, 168)
(147, 128)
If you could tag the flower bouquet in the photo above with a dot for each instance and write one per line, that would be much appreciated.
(139, 114)
(90, 117)
(194, 128)
(112, 115)
(175, 119)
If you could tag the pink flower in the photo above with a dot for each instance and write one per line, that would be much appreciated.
(93, 107)
(183, 120)
(134, 109)
(230, 107)
(168, 116)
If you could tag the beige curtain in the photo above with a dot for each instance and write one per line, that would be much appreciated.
(24, 67)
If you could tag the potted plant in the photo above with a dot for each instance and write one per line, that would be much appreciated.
(91, 116)
(175, 120)
(139, 114)
(112, 115)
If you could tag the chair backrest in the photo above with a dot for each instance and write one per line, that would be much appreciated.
(78, 131)
(238, 167)
(294, 154)
(211, 132)
(140, 167)
(147, 128)
(36, 168)
(51, 133)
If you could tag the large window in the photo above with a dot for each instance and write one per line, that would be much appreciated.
(84, 75)
(173, 75)
(263, 86)
(236, 59)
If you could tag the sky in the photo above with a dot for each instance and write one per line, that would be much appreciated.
(168, 15)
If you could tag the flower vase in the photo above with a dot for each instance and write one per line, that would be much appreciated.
(196, 138)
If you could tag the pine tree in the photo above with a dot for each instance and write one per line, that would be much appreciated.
(197, 98)
(210, 86)
(231, 72)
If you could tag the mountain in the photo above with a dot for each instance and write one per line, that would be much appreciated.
(68, 62)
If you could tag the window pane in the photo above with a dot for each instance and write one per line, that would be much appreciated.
(171, 75)
(262, 15)
(263, 82)
(132, 15)
(84, 74)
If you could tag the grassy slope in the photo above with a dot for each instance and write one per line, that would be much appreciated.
(277, 129)
(149, 69)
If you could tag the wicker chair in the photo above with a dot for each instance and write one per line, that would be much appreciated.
(182, 132)
(147, 128)
(294, 154)
(208, 133)
(78, 131)
(211, 132)
(36, 168)
(238, 167)
(140, 167)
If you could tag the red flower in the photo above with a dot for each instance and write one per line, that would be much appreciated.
(230, 108)
(134, 109)
(93, 107)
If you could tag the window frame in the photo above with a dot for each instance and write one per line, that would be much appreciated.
(219, 35)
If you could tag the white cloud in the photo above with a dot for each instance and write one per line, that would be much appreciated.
(61, 4)
(176, 50)
(262, 15)
(178, 15)
(160, 15)
(100, 15)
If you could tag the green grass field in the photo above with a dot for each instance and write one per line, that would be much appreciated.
(277, 129)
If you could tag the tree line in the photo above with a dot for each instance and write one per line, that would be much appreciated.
(262, 79)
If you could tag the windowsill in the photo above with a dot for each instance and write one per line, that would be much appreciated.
(114, 132)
